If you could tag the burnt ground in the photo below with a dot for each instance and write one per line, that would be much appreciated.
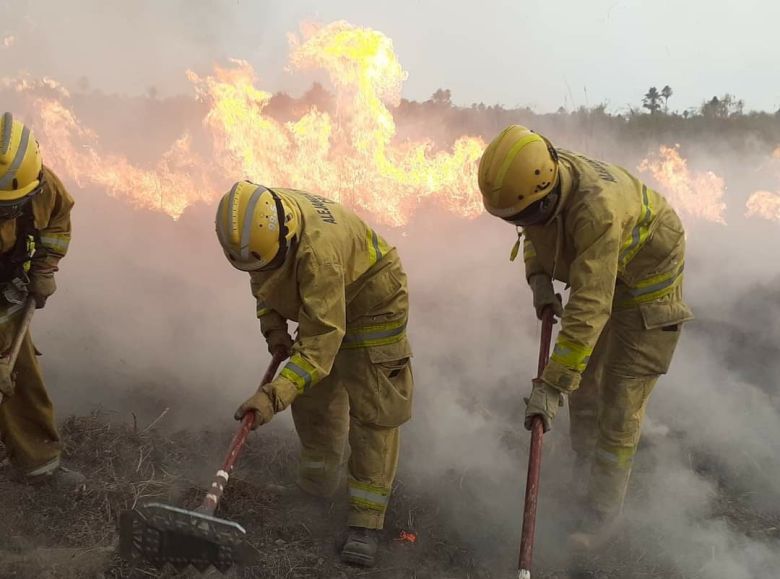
(48, 535)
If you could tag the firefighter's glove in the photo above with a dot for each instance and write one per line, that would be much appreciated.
(544, 402)
(261, 405)
(544, 295)
(282, 392)
(279, 341)
(270, 399)
(40, 288)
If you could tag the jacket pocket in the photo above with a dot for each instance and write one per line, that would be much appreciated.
(664, 314)
(657, 340)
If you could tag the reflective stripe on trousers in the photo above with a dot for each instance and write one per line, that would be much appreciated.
(368, 496)
(618, 456)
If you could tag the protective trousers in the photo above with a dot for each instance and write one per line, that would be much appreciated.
(608, 408)
(27, 425)
(365, 399)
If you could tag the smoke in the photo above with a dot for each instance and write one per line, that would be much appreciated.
(117, 44)
(149, 315)
(704, 496)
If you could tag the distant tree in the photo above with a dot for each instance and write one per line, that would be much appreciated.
(721, 108)
(712, 108)
(666, 92)
(442, 97)
(652, 100)
(734, 105)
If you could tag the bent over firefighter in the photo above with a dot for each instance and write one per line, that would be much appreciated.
(349, 377)
(620, 247)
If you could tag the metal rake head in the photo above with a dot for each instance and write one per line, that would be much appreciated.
(161, 534)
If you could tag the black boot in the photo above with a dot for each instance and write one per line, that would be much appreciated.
(594, 531)
(61, 478)
(360, 546)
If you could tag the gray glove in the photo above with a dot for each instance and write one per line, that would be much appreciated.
(544, 295)
(260, 403)
(279, 340)
(41, 287)
(544, 402)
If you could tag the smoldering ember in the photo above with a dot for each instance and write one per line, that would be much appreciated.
(442, 295)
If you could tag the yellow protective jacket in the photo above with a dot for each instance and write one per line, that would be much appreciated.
(341, 282)
(617, 244)
(51, 214)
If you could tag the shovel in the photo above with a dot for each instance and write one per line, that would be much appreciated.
(158, 533)
(8, 362)
(534, 460)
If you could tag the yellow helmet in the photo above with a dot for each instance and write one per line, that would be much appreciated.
(20, 161)
(255, 226)
(518, 168)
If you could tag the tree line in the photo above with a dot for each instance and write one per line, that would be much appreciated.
(717, 107)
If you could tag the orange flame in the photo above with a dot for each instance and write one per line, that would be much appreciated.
(695, 193)
(72, 150)
(351, 157)
(25, 83)
(766, 204)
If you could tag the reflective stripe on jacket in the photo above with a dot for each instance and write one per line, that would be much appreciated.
(616, 242)
(341, 282)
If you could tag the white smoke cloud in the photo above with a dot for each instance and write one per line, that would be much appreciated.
(149, 315)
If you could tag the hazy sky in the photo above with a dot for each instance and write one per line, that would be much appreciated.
(538, 53)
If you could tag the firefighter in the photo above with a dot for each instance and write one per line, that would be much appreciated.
(620, 247)
(349, 377)
(34, 236)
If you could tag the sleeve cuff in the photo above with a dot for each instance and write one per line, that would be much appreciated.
(560, 377)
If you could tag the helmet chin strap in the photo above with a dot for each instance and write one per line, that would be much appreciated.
(550, 203)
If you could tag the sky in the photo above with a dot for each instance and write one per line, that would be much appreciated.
(530, 53)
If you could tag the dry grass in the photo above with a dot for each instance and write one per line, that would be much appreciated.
(47, 535)
(294, 536)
